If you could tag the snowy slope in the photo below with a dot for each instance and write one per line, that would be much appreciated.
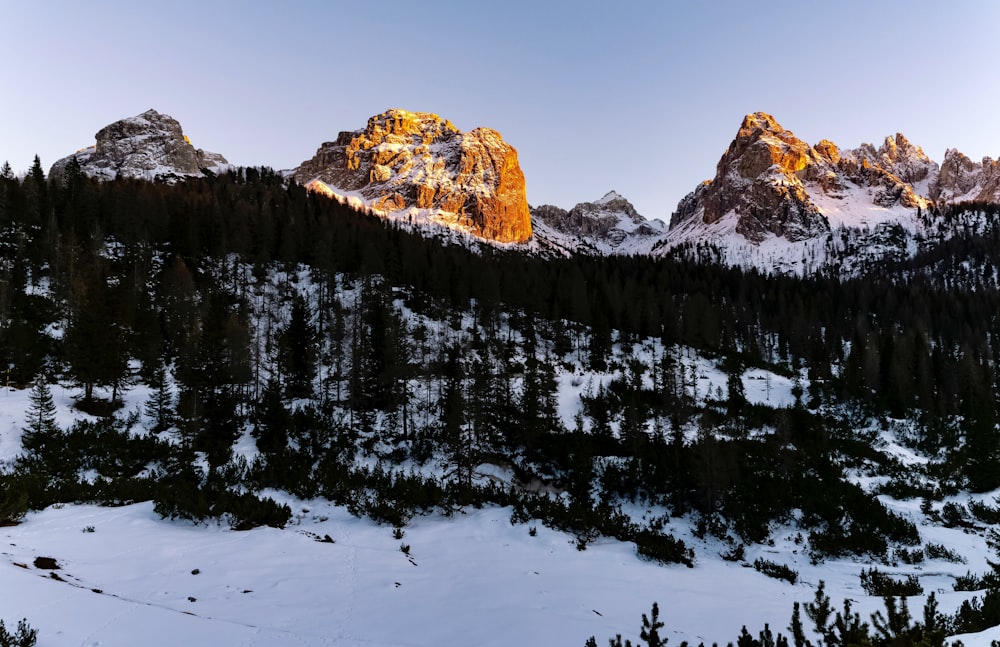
(472, 580)
(127, 577)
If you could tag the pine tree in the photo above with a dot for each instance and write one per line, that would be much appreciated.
(737, 394)
(41, 416)
(95, 344)
(272, 421)
(651, 628)
(211, 373)
(454, 429)
(298, 351)
(160, 405)
(24, 637)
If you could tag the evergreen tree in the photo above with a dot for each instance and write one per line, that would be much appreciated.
(24, 636)
(737, 401)
(159, 407)
(96, 340)
(272, 421)
(454, 429)
(41, 416)
(213, 372)
(298, 351)
(651, 628)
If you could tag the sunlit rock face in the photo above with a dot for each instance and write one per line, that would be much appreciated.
(778, 185)
(404, 160)
(760, 178)
(147, 146)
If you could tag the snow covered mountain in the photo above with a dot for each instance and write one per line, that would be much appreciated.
(960, 179)
(420, 167)
(610, 225)
(148, 146)
(776, 203)
(780, 205)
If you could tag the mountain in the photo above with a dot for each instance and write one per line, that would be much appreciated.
(779, 204)
(610, 225)
(419, 166)
(148, 146)
(235, 353)
(960, 179)
(775, 203)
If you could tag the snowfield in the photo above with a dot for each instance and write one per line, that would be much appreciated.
(128, 577)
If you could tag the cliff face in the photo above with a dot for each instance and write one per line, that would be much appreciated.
(416, 160)
(776, 184)
(147, 146)
(758, 178)
(961, 179)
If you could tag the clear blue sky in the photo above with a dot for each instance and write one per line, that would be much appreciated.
(640, 97)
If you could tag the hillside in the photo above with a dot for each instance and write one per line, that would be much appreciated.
(224, 352)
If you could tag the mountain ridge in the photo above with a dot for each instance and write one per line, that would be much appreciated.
(775, 203)
(772, 188)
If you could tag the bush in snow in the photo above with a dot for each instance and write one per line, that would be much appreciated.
(25, 636)
(777, 571)
(875, 582)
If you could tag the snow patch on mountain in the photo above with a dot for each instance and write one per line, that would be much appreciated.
(428, 222)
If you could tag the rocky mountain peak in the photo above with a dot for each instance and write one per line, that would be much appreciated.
(961, 179)
(898, 157)
(147, 146)
(403, 161)
(756, 123)
(402, 126)
(761, 143)
(775, 184)
(771, 185)
(608, 225)
(758, 179)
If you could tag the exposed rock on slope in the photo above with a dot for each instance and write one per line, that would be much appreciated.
(608, 225)
(404, 161)
(961, 179)
(147, 146)
(756, 178)
(778, 204)
(772, 184)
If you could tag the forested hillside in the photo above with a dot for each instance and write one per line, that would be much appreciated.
(293, 344)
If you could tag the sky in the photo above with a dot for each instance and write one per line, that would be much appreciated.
(639, 97)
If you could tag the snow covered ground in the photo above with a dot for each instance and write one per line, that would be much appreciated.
(128, 577)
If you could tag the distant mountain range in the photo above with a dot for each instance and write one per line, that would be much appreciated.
(776, 203)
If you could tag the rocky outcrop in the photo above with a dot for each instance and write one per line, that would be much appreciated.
(608, 225)
(962, 180)
(775, 184)
(760, 179)
(147, 146)
(416, 160)
(893, 170)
